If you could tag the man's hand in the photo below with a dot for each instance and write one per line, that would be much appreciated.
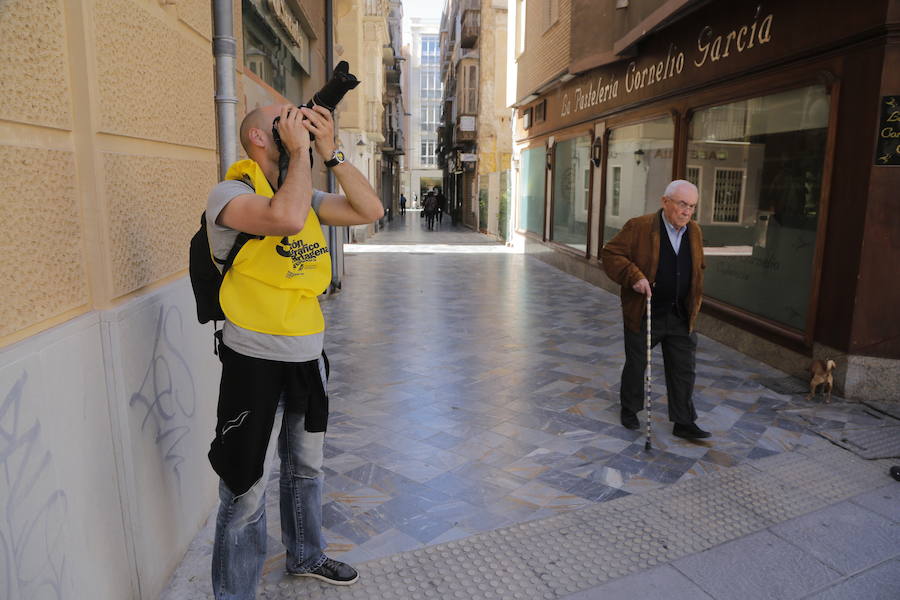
(294, 134)
(320, 123)
(642, 287)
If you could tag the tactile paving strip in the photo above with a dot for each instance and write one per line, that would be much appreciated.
(868, 442)
(560, 555)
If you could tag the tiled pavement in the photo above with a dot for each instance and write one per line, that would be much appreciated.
(472, 392)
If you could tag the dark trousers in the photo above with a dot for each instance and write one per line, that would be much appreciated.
(679, 348)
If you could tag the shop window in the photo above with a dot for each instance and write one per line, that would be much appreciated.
(532, 181)
(639, 167)
(759, 224)
(571, 192)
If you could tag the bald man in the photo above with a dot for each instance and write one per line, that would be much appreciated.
(660, 256)
(274, 371)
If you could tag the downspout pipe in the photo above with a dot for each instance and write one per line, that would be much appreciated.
(335, 234)
(225, 52)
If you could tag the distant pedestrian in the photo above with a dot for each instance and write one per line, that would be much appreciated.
(665, 248)
(442, 205)
(431, 206)
(402, 204)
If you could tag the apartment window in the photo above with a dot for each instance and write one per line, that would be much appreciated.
(550, 13)
(428, 156)
(639, 159)
(470, 89)
(766, 158)
(571, 192)
(728, 189)
(430, 50)
(526, 119)
(532, 180)
(520, 27)
(430, 83)
(540, 111)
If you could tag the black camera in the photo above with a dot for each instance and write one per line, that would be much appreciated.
(341, 82)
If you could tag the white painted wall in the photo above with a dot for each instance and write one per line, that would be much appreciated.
(105, 422)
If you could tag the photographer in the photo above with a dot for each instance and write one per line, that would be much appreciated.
(272, 391)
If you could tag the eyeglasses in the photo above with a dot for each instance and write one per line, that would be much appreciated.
(682, 204)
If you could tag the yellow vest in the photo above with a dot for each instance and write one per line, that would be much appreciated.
(273, 285)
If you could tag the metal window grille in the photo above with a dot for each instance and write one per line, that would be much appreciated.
(727, 196)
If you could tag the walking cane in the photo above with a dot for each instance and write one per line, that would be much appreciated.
(647, 383)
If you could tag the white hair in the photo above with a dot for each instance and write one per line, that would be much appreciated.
(673, 187)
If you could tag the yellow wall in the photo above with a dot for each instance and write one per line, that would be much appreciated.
(107, 133)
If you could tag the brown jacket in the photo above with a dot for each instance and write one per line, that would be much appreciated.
(634, 255)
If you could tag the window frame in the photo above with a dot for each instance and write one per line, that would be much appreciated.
(550, 184)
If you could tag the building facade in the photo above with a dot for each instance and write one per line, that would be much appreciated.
(784, 127)
(366, 37)
(423, 98)
(108, 384)
(475, 136)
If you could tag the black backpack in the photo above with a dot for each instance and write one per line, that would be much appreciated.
(205, 277)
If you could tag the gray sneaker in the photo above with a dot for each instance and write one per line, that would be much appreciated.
(332, 571)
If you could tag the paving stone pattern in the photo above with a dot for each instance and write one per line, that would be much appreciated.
(478, 394)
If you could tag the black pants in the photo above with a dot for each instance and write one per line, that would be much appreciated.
(679, 348)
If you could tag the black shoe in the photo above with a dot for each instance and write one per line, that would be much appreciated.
(334, 572)
(629, 419)
(689, 432)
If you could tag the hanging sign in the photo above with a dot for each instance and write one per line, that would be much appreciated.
(888, 149)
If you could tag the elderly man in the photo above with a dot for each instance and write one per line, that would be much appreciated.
(660, 256)
(272, 393)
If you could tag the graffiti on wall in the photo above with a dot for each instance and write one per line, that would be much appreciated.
(32, 512)
(167, 394)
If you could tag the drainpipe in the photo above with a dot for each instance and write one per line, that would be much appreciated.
(336, 235)
(225, 50)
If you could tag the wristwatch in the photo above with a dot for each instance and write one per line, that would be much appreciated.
(337, 157)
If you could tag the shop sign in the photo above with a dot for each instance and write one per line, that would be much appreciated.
(888, 152)
(467, 157)
(287, 20)
(713, 46)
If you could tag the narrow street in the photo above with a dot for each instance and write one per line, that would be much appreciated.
(474, 393)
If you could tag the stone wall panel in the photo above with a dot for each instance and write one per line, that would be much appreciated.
(41, 256)
(33, 73)
(154, 209)
(154, 83)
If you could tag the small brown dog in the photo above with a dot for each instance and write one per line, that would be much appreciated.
(820, 371)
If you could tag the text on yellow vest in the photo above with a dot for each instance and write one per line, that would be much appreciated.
(274, 283)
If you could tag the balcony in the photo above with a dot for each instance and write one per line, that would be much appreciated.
(393, 142)
(392, 79)
(471, 25)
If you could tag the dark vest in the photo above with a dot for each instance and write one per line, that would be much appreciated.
(673, 276)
